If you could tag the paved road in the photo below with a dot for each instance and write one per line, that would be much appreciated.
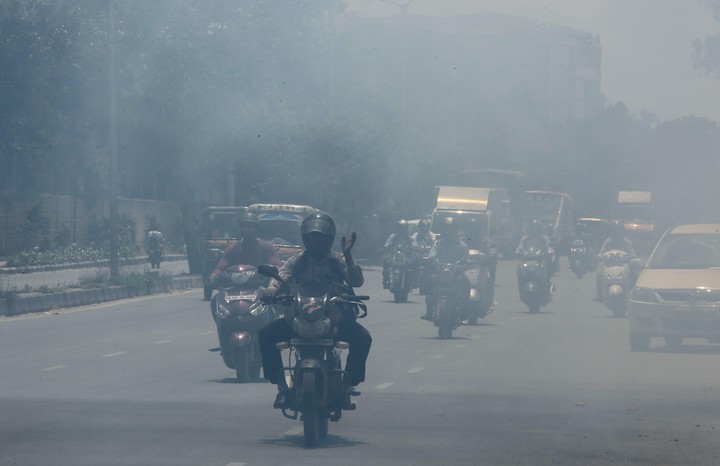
(132, 383)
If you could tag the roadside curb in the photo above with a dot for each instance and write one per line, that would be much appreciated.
(43, 302)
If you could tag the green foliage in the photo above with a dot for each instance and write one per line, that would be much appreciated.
(131, 278)
(98, 234)
(35, 229)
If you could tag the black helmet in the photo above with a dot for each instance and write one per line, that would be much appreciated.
(423, 226)
(535, 227)
(318, 233)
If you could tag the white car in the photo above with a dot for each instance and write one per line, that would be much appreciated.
(677, 295)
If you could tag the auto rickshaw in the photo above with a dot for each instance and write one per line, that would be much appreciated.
(280, 224)
(218, 228)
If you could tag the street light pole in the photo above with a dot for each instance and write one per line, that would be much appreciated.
(113, 148)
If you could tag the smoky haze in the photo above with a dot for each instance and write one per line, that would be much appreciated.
(304, 102)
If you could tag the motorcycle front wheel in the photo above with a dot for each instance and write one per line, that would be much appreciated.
(310, 410)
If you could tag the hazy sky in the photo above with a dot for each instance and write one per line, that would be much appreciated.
(646, 44)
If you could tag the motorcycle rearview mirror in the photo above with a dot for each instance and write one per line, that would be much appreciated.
(270, 271)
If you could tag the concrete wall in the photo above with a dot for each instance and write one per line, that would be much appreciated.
(76, 215)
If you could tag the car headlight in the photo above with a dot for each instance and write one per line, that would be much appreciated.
(644, 295)
(314, 329)
(222, 311)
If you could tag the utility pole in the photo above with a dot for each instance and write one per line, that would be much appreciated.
(113, 147)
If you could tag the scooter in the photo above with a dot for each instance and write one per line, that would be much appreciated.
(316, 379)
(614, 280)
(480, 301)
(534, 284)
(237, 322)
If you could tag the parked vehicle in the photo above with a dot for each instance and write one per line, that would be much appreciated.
(614, 280)
(403, 273)
(218, 228)
(237, 322)
(677, 295)
(315, 378)
(534, 283)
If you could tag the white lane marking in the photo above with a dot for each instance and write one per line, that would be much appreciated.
(207, 333)
(384, 385)
(112, 355)
(52, 368)
(438, 356)
(237, 464)
(415, 370)
(297, 430)
(459, 346)
(162, 342)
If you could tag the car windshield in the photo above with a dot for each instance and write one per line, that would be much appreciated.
(687, 251)
(281, 232)
(221, 225)
(633, 212)
(545, 208)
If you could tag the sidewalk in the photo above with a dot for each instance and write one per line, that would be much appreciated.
(43, 289)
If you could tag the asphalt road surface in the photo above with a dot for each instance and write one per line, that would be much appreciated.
(133, 383)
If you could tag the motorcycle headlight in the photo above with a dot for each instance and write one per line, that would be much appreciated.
(222, 311)
(644, 295)
(314, 329)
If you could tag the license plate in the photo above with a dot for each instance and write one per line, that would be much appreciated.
(238, 297)
(314, 342)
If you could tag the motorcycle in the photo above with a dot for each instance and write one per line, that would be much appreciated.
(534, 284)
(315, 379)
(481, 296)
(581, 257)
(154, 248)
(402, 274)
(237, 322)
(424, 271)
(614, 280)
(450, 296)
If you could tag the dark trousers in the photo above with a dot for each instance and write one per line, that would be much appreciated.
(279, 330)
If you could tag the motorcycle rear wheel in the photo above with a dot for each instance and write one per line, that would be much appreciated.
(400, 296)
(310, 410)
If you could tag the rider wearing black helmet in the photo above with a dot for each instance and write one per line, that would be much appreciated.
(317, 263)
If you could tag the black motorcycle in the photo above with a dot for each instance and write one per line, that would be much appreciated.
(315, 378)
(581, 257)
(449, 295)
(534, 284)
(402, 270)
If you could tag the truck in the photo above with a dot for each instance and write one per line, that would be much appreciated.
(634, 209)
(479, 212)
